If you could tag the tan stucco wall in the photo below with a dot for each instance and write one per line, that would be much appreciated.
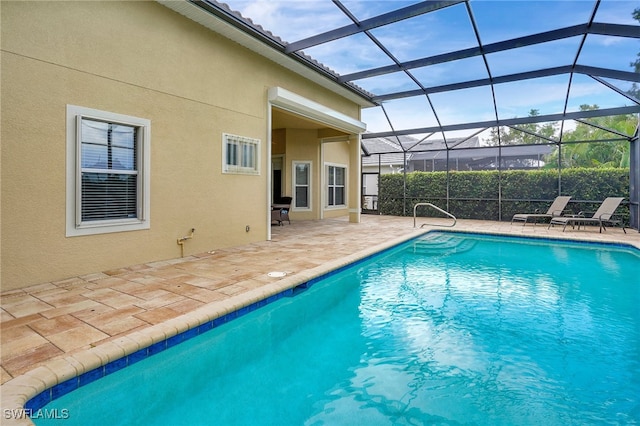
(279, 142)
(303, 145)
(144, 60)
(309, 145)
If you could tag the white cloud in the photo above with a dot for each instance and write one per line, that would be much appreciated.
(293, 20)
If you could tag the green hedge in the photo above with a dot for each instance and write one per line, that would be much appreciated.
(475, 195)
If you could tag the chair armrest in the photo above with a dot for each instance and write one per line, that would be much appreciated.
(612, 218)
(579, 214)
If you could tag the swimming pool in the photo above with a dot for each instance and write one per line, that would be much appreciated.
(447, 328)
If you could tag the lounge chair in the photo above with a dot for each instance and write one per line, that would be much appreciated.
(600, 217)
(556, 209)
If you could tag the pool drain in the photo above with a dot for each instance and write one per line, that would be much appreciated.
(277, 274)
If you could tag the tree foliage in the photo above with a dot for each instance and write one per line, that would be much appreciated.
(578, 153)
(583, 154)
(576, 150)
(525, 134)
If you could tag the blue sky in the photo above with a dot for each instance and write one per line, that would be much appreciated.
(448, 30)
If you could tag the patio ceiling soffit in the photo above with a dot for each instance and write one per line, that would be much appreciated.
(297, 104)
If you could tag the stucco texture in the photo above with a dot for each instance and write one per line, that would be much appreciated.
(143, 60)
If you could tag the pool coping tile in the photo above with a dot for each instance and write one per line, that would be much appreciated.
(90, 365)
(62, 375)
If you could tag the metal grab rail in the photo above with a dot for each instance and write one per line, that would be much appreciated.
(437, 208)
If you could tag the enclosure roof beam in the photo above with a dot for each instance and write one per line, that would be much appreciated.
(510, 122)
(371, 23)
(562, 33)
(547, 72)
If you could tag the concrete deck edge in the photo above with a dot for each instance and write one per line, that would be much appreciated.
(16, 392)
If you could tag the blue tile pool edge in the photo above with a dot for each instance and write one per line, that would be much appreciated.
(40, 400)
(539, 238)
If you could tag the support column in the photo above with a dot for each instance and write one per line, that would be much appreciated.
(355, 179)
(634, 183)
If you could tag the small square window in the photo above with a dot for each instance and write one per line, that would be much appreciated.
(241, 155)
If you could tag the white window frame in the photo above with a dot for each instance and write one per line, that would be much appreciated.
(295, 185)
(329, 185)
(75, 226)
(246, 155)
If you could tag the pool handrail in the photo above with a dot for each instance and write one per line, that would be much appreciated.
(437, 208)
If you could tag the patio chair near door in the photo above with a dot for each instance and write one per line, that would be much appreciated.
(280, 210)
(603, 215)
(556, 209)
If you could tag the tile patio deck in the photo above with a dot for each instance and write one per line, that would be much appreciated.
(68, 324)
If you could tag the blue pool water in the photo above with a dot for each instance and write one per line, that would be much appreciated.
(446, 329)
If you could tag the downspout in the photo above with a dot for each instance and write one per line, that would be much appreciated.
(269, 171)
(322, 181)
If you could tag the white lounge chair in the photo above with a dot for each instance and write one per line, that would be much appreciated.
(600, 217)
(556, 209)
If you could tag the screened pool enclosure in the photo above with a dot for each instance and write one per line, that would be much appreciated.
(468, 86)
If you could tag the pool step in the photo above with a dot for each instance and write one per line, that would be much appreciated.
(442, 245)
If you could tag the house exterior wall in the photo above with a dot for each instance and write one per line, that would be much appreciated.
(302, 146)
(143, 60)
(307, 145)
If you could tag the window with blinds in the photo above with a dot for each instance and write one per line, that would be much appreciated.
(302, 185)
(241, 154)
(109, 188)
(107, 172)
(336, 185)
